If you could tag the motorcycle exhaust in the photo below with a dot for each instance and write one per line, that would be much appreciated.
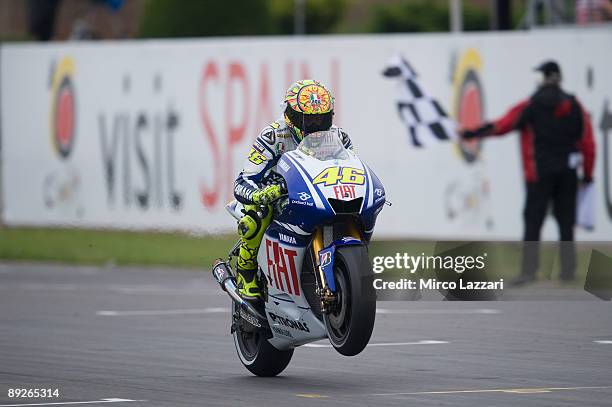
(226, 280)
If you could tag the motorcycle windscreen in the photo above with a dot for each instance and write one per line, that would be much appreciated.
(324, 146)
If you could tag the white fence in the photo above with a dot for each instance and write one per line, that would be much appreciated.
(152, 134)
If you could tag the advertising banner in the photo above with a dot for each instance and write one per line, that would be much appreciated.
(151, 135)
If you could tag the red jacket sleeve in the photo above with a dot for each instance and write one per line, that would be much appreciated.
(512, 120)
(586, 145)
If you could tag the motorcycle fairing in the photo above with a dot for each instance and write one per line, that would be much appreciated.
(310, 204)
(289, 315)
(326, 258)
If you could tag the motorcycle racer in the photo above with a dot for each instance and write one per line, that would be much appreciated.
(309, 107)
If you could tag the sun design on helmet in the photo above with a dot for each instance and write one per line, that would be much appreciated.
(314, 99)
(309, 97)
(310, 107)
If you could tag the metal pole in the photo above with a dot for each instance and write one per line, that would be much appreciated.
(531, 14)
(456, 15)
(299, 17)
(494, 15)
(547, 12)
(501, 14)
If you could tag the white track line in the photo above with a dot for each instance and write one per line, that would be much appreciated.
(438, 311)
(196, 311)
(606, 342)
(516, 391)
(217, 310)
(69, 403)
(423, 342)
(48, 287)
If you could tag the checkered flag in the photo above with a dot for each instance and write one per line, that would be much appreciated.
(423, 115)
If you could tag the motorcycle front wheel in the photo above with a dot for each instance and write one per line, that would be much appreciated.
(351, 322)
(256, 353)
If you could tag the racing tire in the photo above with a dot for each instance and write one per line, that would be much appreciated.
(258, 355)
(350, 324)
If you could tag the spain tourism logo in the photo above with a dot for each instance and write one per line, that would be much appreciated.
(62, 117)
(61, 187)
(468, 100)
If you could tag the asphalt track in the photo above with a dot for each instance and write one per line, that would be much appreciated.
(107, 336)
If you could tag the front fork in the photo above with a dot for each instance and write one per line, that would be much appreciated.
(323, 248)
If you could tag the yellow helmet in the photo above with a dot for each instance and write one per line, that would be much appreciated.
(309, 107)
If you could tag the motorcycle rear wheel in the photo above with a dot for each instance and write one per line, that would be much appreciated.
(257, 355)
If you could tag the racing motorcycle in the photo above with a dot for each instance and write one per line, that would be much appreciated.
(314, 268)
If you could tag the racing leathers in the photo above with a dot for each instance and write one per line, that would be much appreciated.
(257, 185)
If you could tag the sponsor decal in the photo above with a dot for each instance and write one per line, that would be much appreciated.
(281, 267)
(307, 203)
(283, 165)
(269, 137)
(288, 239)
(220, 273)
(289, 323)
(249, 318)
(304, 196)
(380, 194)
(344, 191)
(283, 134)
(280, 331)
(259, 147)
(348, 239)
(325, 259)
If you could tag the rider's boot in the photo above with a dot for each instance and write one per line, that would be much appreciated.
(251, 230)
(246, 281)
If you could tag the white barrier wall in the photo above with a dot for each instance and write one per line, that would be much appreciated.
(152, 134)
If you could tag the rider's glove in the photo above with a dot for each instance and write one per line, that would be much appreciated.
(267, 195)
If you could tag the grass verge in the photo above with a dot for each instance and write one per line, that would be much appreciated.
(83, 246)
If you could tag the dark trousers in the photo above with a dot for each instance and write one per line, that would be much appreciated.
(560, 189)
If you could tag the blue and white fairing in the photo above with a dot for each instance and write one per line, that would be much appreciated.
(325, 179)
